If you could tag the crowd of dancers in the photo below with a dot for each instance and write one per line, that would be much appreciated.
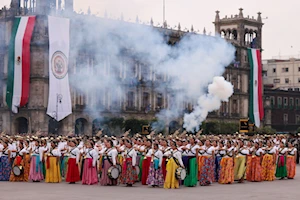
(155, 160)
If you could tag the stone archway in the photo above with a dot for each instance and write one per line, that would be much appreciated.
(21, 125)
(96, 126)
(81, 126)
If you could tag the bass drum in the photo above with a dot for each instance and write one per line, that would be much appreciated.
(137, 169)
(180, 173)
(113, 172)
(17, 170)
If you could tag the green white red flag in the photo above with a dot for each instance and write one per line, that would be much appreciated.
(18, 73)
(256, 110)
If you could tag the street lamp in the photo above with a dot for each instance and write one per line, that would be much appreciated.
(58, 100)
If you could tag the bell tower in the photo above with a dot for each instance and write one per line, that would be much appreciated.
(243, 33)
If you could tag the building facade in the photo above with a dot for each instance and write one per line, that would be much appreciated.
(141, 101)
(285, 109)
(282, 74)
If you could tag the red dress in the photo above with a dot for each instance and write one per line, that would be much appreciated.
(73, 171)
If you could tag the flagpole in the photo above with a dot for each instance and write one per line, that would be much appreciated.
(164, 11)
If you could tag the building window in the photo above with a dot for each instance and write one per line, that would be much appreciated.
(298, 69)
(297, 119)
(291, 102)
(287, 80)
(130, 100)
(274, 70)
(279, 102)
(276, 80)
(272, 101)
(285, 118)
(285, 101)
(159, 101)
(297, 103)
(285, 69)
(296, 89)
(145, 100)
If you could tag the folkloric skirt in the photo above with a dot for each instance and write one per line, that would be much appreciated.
(281, 171)
(73, 171)
(36, 169)
(89, 175)
(53, 170)
(291, 166)
(5, 168)
(227, 170)
(129, 175)
(171, 181)
(206, 170)
(145, 169)
(105, 180)
(268, 168)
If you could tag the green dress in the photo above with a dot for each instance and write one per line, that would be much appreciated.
(192, 176)
(281, 171)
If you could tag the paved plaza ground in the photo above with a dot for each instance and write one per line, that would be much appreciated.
(277, 190)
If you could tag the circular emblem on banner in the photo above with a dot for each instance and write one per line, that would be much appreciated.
(59, 65)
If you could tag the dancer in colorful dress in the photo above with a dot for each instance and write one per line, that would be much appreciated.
(129, 174)
(155, 177)
(53, 173)
(268, 162)
(281, 171)
(73, 175)
(5, 162)
(227, 165)
(291, 161)
(36, 163)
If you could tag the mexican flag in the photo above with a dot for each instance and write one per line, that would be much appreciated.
(256, 110)
(18, 70)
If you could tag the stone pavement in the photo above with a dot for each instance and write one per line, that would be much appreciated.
(277, 190)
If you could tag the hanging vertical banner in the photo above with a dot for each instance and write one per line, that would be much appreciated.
(17, 91)
(256, 110)
(59, 101)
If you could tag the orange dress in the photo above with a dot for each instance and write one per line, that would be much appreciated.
(23, 161)
(291, 164)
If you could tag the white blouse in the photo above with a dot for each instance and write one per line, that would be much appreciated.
(112, 154)
(131, 153)
(192, 149)
(75, 153)
(209, 151)
(92, 153)
(177, 154)
(292, 151)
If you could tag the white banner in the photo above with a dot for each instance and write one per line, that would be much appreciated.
(59, 101)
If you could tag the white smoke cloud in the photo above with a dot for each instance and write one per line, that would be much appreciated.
(219, 90)
(190, 65)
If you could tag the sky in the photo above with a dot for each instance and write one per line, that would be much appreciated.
(280, 35)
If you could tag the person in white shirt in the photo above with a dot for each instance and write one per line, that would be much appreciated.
(73, 175)
(255, 171)
(240, 161)
(174, 162)
(281, 171)
(191, 163)
(36, 163)
(89, 175)
(109, 160)
(268, 162)
(129, 172)
(227, 164)
(155, 177)
(21, 161)
(206, 162)
(291, 161)
(53, 174)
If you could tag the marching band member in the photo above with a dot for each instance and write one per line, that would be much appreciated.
(129, 175)
(281, 171)
(109, 159)
(291, 161)
(73, 175)
(174, 162)
(227, 165)
(155, 177)
(268, 162)
(5, 166)
(240, 161)
(90, 176)
(36, 165)
(192, 166)
(53, 164)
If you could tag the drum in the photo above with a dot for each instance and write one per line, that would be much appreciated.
(113, 172)
(17, 170)
(180, 173)
(137, 169)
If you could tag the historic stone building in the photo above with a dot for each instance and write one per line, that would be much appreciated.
(141, 101)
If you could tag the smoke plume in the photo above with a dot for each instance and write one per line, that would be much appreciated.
(118, 50)
(219, 90)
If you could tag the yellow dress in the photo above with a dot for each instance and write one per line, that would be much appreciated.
(171, 181)
(52, 170)
(239, 167)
